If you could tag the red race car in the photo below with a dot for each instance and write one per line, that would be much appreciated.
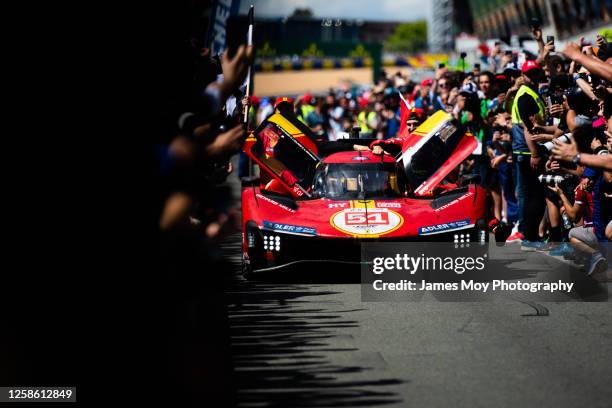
(307, 209)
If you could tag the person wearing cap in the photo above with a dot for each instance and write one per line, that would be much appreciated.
(415, 118)
(499, 88)
(511, 70)
(528, 119)
(423, 100)
(468, 112)
(305, 107)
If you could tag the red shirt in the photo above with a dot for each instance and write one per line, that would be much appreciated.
(585, 199)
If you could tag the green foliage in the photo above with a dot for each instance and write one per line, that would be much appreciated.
(359, 52)
(266, 51)
(312, 51)
(408, 37)
(302, 12)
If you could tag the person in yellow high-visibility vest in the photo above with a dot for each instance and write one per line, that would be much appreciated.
(367, 119)
(529, 128)
(305, 107)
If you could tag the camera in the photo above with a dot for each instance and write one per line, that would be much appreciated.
(553, 179)
(566, 138)
(580, 102)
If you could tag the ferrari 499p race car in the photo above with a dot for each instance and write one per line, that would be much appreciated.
(309, 209)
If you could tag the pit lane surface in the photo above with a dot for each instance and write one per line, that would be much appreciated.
(311, 342)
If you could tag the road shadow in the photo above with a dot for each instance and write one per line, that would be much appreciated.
(283, 347)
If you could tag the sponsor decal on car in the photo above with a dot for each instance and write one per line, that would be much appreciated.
(297, 191)
(455, 201)
(366, 222)
(291, 229)
(449, 226)
(387, 204)
(284, 207)
(338, 204)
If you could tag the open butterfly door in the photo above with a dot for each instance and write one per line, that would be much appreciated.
(286, 152)
(433, 150)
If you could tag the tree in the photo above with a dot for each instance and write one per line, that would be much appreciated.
(408, 37)
(302, 13)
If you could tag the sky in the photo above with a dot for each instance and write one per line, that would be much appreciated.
(379, 10)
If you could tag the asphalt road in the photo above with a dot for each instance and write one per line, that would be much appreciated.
(304, 342)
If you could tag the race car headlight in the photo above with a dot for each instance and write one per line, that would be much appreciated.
(271, 243)
(461, 238)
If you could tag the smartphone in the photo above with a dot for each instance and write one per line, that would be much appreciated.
(440, 66)
(550, 39)
(236, 29)
(555, 99)
(535, 23)
(477, 66)
(508, 52)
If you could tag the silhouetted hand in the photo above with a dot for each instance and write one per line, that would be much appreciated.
(227, 143)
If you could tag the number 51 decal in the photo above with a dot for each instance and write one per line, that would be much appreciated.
(361, 218)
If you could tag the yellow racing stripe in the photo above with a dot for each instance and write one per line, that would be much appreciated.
(363, 204)
(432, 122)
(286, 125)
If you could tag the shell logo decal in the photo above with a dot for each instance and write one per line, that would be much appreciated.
(366, 222)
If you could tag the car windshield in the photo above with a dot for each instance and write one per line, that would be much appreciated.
(340, 181)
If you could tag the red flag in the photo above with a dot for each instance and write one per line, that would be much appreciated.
(405, 109)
